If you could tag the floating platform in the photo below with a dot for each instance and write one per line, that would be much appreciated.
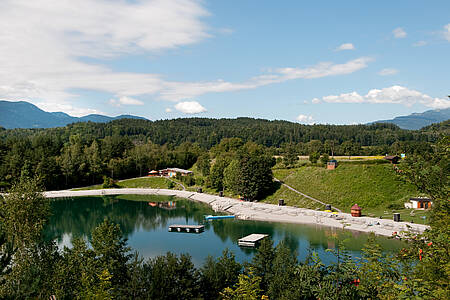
(187, 228)
(210, 217)
(251, 240)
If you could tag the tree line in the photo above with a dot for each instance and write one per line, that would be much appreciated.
(83, 153)
(209, 132)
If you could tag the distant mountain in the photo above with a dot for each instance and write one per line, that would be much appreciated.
(26, 115)
(419, 120)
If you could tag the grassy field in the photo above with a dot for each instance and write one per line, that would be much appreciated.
(143, 182)
(376, 188)
(291, 198)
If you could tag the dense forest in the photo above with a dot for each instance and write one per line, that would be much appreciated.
(82, 153)
(209, 132)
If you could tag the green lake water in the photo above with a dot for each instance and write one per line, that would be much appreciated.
(144, 221)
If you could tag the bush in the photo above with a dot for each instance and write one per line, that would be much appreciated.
(324, 158)
(313, 157)
(188, 180)
(170, 185)
(109, 183)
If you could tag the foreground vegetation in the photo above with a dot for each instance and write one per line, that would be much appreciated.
(33, 268)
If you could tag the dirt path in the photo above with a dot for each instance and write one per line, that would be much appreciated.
(306, 196)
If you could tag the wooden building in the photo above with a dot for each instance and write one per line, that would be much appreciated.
(172, 172)
(392, 158)
(355, 211)
(332, 164)
(153, 173)
(419, 203)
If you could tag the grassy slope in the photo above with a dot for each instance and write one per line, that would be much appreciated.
(373, 187)
(147, 182)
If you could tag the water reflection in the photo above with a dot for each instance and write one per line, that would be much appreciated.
(144, 221)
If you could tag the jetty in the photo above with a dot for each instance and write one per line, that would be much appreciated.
(187, 228)
(251, 240)
(210, 217)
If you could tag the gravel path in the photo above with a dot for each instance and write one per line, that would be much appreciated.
(263, 211)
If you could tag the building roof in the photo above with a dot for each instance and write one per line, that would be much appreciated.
(178, 170)
(356, 207)
(153, 172)
(391, 157)
(332, 161)
(420, 199)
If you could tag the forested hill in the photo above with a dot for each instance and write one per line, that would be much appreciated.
(23, 114)
(419, 120)
(209, 132)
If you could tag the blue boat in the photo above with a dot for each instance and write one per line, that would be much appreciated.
(210, 217)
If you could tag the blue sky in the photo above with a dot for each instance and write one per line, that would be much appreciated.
(337, 62)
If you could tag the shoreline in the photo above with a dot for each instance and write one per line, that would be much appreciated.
(263, 211)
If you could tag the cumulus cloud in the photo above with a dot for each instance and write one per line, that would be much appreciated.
(125, 101)
(387, 72)
(190, 107)
(419, 44)
(392, 95)
(399, 33)
(346, 46)
(446, 32)
(168, 110)
(305, 119)
(176, 91)
(67, 108)
(42, 43)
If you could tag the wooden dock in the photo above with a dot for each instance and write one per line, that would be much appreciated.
(251, 240)
(187, 228)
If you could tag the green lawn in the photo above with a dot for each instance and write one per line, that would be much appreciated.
(147, 182)
(291, 198)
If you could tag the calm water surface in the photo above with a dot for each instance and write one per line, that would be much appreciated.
(144, 221)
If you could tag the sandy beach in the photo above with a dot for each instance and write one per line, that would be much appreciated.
(265, 212)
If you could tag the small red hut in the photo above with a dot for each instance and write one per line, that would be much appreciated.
(355, 211)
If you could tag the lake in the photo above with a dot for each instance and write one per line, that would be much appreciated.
(144, 220)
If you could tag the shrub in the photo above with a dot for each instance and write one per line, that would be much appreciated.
(108, 183)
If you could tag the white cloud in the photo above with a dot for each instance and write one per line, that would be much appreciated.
(352, 97)
(387, 72)
(399, 33)
(125, 101)
(190, 107)
(393, 95)
(346, 46)
(305, 119)
(41, 43)
(67, 108)
(446, 32)
(176, 91)
(168, 110)
(419, 44)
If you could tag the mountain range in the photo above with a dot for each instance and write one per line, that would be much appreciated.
(23, 114)
(418, 120)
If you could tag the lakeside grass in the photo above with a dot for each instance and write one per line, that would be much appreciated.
(141, 182)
